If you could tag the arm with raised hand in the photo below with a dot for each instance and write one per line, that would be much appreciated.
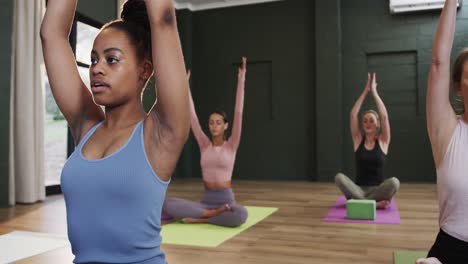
(200, 136)
(385, 134)
(71, 94)
(171, 113)
(234, 140)
(441, 118)
(354, 115)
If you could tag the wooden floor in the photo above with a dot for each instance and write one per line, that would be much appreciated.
(294, 234)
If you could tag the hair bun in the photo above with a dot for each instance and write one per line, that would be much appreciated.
(134, 11)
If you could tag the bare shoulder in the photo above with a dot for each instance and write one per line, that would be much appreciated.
(357, 139)
(383, 145)
(440, 138)
(162, 151)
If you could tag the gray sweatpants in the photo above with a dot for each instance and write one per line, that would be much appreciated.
(384, 191)
(212, 199)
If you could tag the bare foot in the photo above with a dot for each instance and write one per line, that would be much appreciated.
(217, 211)
(190, 220)
(382, 204)
(165, 222)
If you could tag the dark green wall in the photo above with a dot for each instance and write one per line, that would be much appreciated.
(328, 88)
(278, 39)
(6, 21)
(102, 10)
(307, 64)
(398, 47)
(317, 54)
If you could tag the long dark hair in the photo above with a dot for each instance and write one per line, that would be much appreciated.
(225, 119)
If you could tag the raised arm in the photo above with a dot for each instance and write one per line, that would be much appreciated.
(72, 97)
(354, 115)
(441, 118)
(172, 107)
(200, 136)
(384, 121)
(234, 140)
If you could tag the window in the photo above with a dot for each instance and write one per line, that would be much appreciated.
(85, 35)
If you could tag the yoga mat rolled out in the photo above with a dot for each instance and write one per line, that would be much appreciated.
(208, 235)
(407, 256)
(338, 214)
(19, 245)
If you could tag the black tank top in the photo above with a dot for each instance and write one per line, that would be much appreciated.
(369, 165)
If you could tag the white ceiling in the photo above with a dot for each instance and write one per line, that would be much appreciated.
(195, 5)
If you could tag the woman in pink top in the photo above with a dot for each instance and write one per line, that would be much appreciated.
(218, 205)
(448, 134)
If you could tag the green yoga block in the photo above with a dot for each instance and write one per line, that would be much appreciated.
(360, 209)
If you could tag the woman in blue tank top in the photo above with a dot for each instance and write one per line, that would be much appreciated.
(370, 150)
(115, 181)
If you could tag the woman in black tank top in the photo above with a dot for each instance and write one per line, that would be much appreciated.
(370, 148)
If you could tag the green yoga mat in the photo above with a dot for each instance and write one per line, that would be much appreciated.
(408, 257)
(207, 235)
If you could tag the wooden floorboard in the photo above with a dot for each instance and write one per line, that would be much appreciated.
(294, 234)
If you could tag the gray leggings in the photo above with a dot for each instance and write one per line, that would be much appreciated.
(212, 199)
(385, 191)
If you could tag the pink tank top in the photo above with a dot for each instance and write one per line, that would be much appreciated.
(217, 162)
(452, 185)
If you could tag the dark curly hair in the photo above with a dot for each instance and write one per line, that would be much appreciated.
(135, 22)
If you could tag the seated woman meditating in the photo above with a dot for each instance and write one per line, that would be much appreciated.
(218, 205)
(370, 149)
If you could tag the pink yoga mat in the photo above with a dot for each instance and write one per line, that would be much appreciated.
(338, 214)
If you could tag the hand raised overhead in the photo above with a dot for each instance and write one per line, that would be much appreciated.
(242, 69)
(373, 85)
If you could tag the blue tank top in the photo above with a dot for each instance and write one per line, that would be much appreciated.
(114, 204)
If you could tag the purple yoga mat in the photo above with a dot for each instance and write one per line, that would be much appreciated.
(338, 214)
